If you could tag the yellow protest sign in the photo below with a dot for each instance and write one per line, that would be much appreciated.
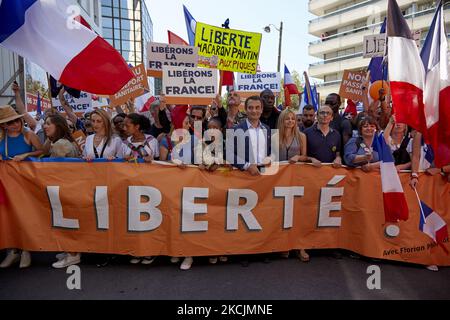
(227, 49)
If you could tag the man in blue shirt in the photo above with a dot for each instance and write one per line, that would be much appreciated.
(324, 143)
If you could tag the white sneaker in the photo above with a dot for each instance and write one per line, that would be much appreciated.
(148, 260)
(433, 268)
(223, 259)
(69, 260)
(174, 260)
(12, 257)
(213, 260)
(25, 260)
(135, 260)
(187, 263)
(61, 255)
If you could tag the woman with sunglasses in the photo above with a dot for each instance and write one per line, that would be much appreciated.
(17, 144)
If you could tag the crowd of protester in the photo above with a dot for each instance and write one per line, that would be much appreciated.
(319, 138)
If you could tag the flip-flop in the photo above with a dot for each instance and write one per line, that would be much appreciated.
(304, 257)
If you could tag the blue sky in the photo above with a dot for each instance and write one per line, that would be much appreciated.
(248, 15)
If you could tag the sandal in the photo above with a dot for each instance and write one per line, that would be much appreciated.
(304, 256)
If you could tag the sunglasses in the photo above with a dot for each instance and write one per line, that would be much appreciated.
(324, 113)
(197, 118)
(12, 122)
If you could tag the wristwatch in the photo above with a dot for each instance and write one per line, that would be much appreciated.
(414, 175)
(443, 172)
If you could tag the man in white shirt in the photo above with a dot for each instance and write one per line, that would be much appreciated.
(251, 140)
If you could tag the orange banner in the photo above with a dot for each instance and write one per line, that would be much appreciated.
(155, 209)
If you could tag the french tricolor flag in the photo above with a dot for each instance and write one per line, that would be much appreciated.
(44, 32)
(406, 71)
(433, 225)
(289, 83)
(289, 86)
(395, 206)
(437, 89)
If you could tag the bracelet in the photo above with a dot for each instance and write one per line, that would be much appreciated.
(414, 175)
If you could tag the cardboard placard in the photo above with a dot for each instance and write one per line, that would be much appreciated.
(136, 87)
(192, 86)
(354, 85)
(36, 81)
(79, 106)
(374, 45)
(258, 82)
(227, 49)
(80, 139)
(161, 54)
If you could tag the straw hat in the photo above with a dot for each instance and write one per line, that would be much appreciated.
(7, 114)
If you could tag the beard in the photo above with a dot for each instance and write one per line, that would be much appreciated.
(308, 123)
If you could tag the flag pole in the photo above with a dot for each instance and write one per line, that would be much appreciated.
(420, 205)
(220, 82)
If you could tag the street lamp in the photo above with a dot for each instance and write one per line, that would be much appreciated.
(280, 30)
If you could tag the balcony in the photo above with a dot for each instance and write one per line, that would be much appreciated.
(351, 38)
(339, 64)
(339, 11)
(353, 14)
(348, 39)
(318, 7)
(325, 89)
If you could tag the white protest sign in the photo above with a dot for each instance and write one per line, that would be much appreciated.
(374, 45)
(258, 82)
(161, 54)
(79, 105)
(192, 86)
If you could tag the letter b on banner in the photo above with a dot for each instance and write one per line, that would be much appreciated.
(136, 207)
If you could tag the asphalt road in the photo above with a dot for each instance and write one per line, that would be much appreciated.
(324, 277)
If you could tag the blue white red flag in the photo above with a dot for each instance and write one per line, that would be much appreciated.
(74, 55)
(395, 205)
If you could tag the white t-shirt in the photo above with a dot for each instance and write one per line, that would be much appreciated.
(150, 146)
(113, 149)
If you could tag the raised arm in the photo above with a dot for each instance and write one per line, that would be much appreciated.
(32, 123)
(67, 108)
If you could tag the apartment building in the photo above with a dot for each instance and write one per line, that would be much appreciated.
(340, 27)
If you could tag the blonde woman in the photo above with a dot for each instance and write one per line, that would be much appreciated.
(17, 144)
(292, 143)
(102, 144)
(292, 147)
